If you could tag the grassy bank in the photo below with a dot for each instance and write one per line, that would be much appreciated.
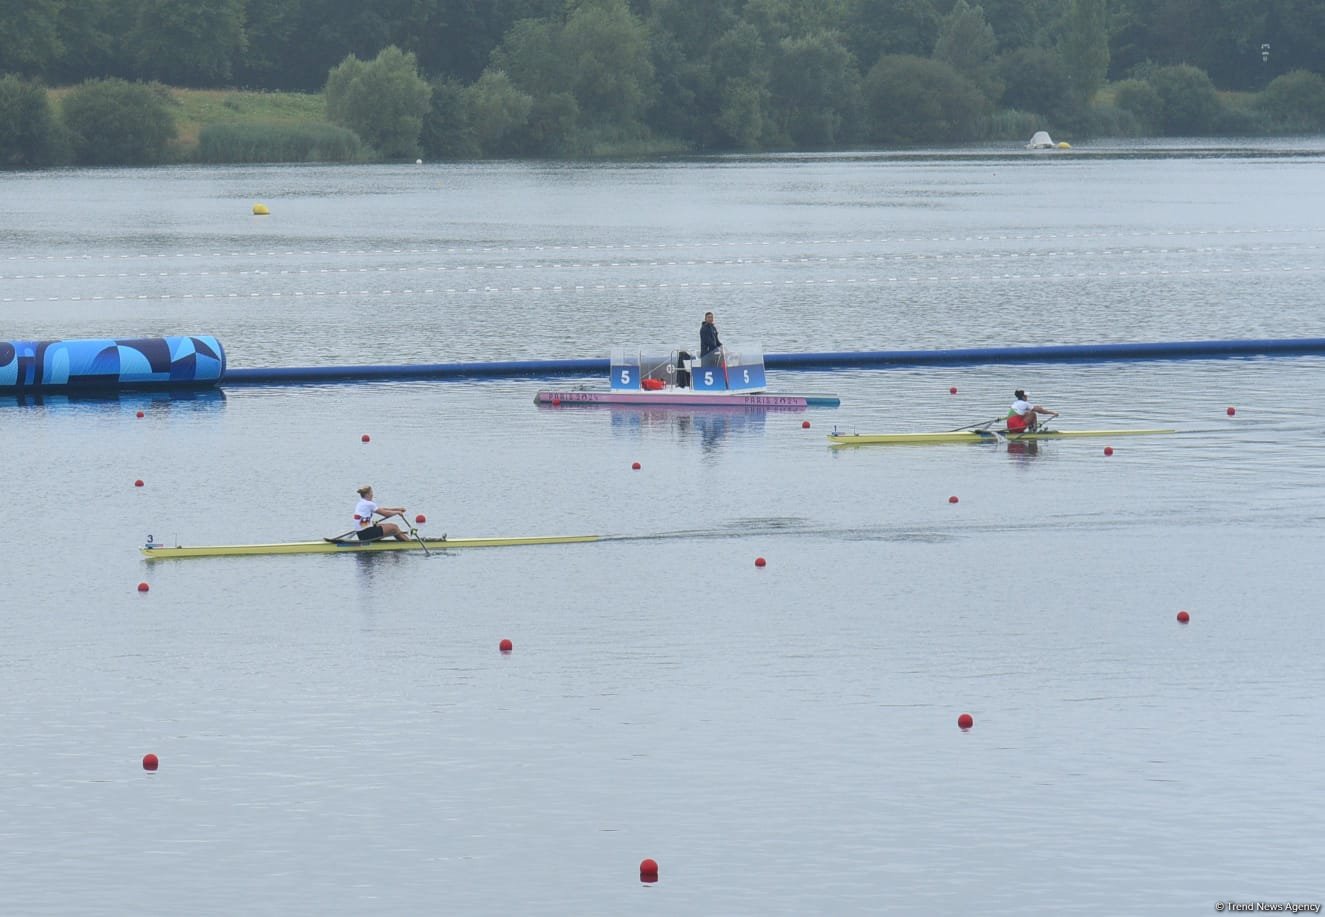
(262, 119)
(195, 109)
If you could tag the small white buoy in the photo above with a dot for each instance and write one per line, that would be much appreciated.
(418, 162)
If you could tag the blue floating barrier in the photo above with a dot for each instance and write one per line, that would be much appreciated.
(865, 359)
(102, 364)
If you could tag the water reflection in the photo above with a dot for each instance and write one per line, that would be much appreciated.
(1023, 451)
(156, 400)
(375, 568)
(710, 426)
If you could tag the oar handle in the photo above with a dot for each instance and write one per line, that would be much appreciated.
(415, 533)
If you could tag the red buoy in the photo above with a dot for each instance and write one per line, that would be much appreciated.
(1232, 411)
(140, 413)
(1108, 450)
(365, 438)
(505, 646)
(805, 425)
(648, 870)
(138, 483)
(635, 466)
(952, 499)
(556, 402)
(1183, 617)
(760, 562)
(953, 390)
(965, 721)
(143, 587)
(420, 519)
(150, 762)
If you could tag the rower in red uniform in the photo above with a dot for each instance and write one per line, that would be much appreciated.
(1023, 417)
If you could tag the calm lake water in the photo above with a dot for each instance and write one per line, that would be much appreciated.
(340, 735)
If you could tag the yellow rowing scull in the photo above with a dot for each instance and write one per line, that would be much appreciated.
(974, 436)
(163, 551)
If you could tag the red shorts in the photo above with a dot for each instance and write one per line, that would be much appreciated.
(1016, 423)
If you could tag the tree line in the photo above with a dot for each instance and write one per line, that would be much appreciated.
(471, 78)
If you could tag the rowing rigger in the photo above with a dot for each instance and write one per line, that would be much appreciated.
(974, 436)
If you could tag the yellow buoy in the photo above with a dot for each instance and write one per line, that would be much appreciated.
(1064, 145)
(260, 210)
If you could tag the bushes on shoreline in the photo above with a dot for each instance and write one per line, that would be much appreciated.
(221, 143)
(30, 134)
(115, 122)
(903, 100)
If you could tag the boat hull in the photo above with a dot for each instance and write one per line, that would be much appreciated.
(682, 398)
(163, 552)
(974, 436)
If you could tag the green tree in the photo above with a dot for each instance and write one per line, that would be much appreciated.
(1295, 102)
(29, 132)
(694, 24)
(816, 90)
(88, 33)
(447, 133)
(1141, 99)
(1221, 37)
(741, 70)
(966, 43)
(455, 38)
(552, 128)
(1085, 48)
(497, 110)
(683, 88)
(1035, 80)
(270, 29)
(1295, 31)
(530, 56)
(599, 58)
(186, 42)
(1156, 31)
(877, 27)
(115, 122)
(687, 92)
(918, 100)
(30, 36)
(1190, 104)
(383, 101)
(611, 75)
(780, 19)
(328, 31)
(1020, 23)
(743, 118)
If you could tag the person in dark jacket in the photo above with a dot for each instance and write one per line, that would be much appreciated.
(708, 336)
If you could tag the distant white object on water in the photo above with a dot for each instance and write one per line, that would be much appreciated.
(418, 162)
(1041, 141)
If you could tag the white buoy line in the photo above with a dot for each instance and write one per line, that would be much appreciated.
(696, 285)
(1064, 254)
(665, 246)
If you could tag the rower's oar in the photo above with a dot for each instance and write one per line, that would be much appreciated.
(974, 426)
(342, 536)
(415, 532)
